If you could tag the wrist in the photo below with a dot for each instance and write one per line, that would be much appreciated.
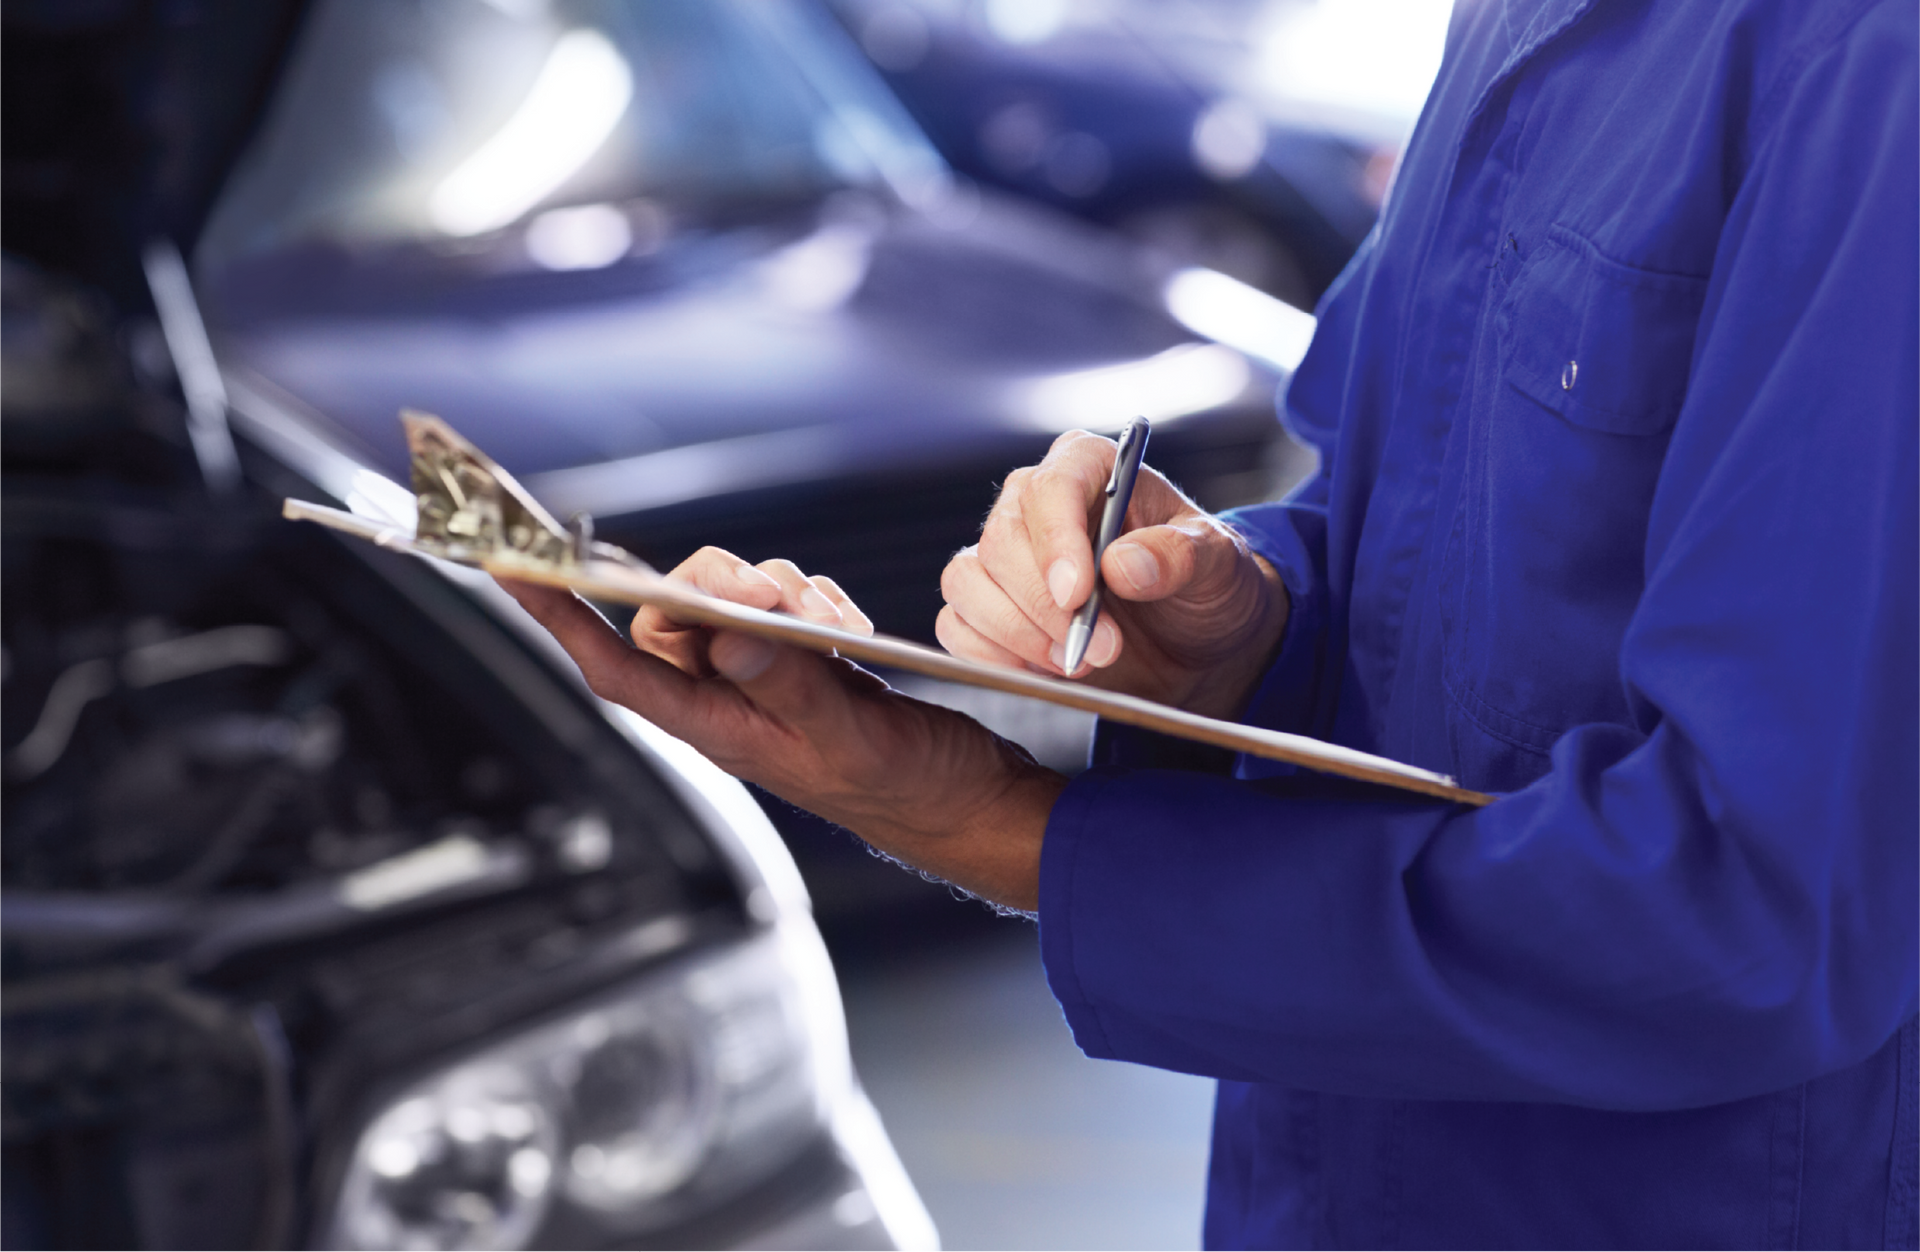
(987, 843)
(1002, 840)
(991, 847)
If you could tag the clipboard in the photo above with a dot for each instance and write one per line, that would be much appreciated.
(472, 512)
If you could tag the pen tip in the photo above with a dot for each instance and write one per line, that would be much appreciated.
(1078, 637)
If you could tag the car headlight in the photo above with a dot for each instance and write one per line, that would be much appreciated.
(638, 1109)
(468, 1163)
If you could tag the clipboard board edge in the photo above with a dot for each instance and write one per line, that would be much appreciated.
(620, 584)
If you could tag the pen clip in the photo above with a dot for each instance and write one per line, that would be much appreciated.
(1127, 436)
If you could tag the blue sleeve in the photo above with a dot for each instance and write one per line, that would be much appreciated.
(1292, 535)
(1712, 903)
(1293, 539)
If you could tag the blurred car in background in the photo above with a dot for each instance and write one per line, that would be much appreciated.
(336, 913)
(1253, 137)
(688, 266)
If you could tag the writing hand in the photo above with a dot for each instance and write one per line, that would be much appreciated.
(1191, 618)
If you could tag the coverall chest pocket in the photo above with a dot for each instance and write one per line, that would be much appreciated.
(1545, 560)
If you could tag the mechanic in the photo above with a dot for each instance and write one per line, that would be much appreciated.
(1616, 517)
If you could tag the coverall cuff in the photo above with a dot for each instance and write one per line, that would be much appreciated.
(1286, 696)
(1129, 747)
(1058, 854)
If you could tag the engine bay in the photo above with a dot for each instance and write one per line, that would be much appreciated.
(273, 838)
(237, 737)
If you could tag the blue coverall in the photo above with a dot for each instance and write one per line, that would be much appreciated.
(1616, 517)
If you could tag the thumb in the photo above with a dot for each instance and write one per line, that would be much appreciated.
(1152, 563)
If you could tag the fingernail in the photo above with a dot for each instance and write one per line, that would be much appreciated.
(1105, 644)
(741, 658)
(1137, 566)
(754, 577)
(1060, 582)
(1058, 655)
(818, 605)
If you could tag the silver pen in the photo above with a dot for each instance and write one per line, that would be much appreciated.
(1126, 467)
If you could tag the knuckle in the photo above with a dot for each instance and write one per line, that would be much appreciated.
(1046, 475)
(782, 569)
(1001, 623)
(959, 637)
(991, 551)
(1069, 441)
(1056, 532)
(944, 628)
(1012, 488)
(1012, 631)
(1071, 485)
(1076, 447)
(1009, 508)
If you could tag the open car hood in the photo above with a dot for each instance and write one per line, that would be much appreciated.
(119, 123)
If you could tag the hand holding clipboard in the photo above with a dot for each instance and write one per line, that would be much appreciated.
(474, 513)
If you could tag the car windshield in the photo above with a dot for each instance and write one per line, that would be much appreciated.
(459, 124)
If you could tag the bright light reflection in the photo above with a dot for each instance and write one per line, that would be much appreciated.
(655, 479)
(467, 1124)
(1227, 310)
(1229, 139)
(521, 10)
(585, 237)
(528, 1170)
(378, 497)
(1026, 21)
(574, 104)
(820, 272)
(393, 1158)
(1374, 57)
(1179, 381)
(854, 1209)
(860, 1135)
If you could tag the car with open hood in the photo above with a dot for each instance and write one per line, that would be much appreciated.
(335, 911)
(687, 266)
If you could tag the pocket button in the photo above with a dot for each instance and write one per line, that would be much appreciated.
(1569, 375)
